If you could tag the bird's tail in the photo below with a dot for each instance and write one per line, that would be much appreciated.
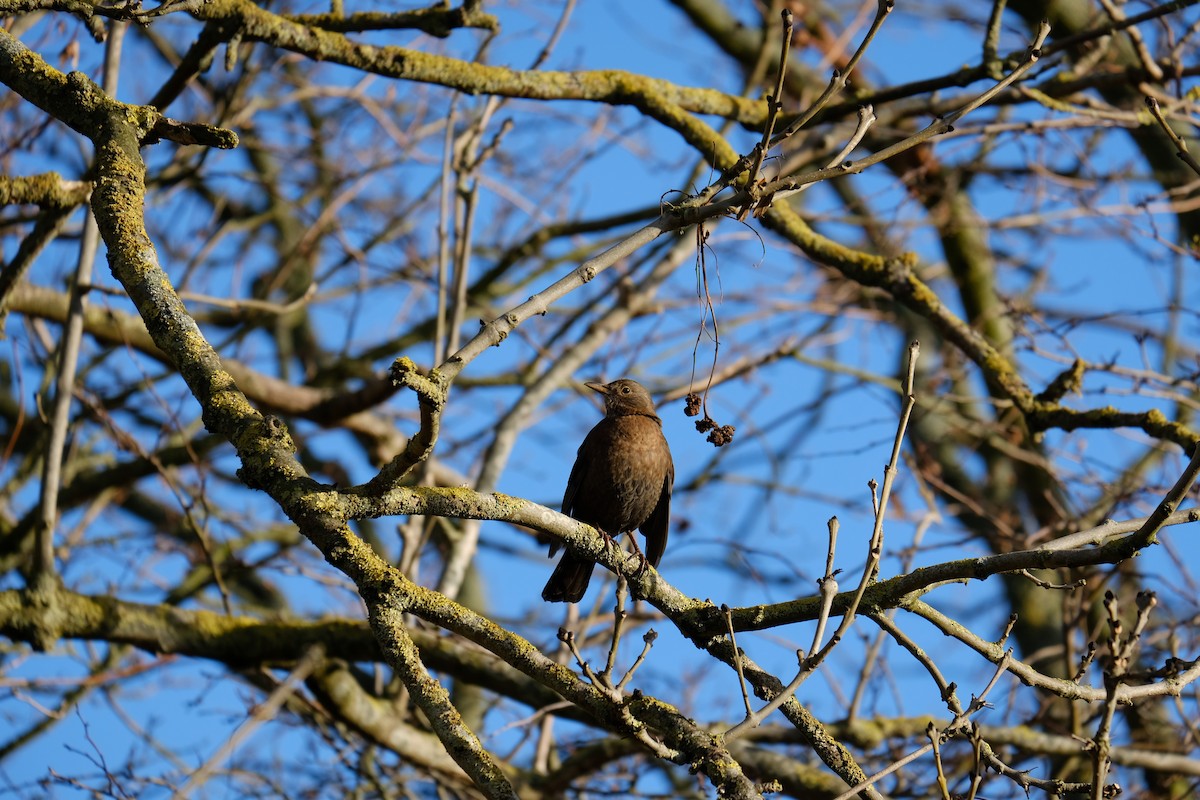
(569, 580)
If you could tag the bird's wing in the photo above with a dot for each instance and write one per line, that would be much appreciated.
(573, 484)
(655, 528)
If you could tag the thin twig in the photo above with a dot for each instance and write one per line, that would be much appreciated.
(828, 587)
(935, 741)
(1176, 139)
(737, 661)
(866, 117)
(648, 639)
(68, 361)
(808, 665)
(618, 621)
(837, 82)
(991, 40)
(1135, 36)
(785, 187)
(774, 100)
(977, 704)
(264, 712)
(840, 77)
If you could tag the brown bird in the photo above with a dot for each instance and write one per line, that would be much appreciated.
(621, 480)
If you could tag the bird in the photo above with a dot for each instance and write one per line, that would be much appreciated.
(621, 480)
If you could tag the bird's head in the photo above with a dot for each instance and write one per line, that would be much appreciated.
(624, 397)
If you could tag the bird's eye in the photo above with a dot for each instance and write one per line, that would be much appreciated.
(624, 390)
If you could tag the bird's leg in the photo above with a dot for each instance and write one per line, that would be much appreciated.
(609, 539)
(637, 551)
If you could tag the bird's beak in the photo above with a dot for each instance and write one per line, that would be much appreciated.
(597, 387)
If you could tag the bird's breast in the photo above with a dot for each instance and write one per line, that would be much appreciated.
(627, 461)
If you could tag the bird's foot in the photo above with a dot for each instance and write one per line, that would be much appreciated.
(609, 539)
(641, 557)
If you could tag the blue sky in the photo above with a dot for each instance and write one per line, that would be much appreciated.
(782, 530)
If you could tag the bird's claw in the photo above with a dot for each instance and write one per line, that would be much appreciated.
(641, 557)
